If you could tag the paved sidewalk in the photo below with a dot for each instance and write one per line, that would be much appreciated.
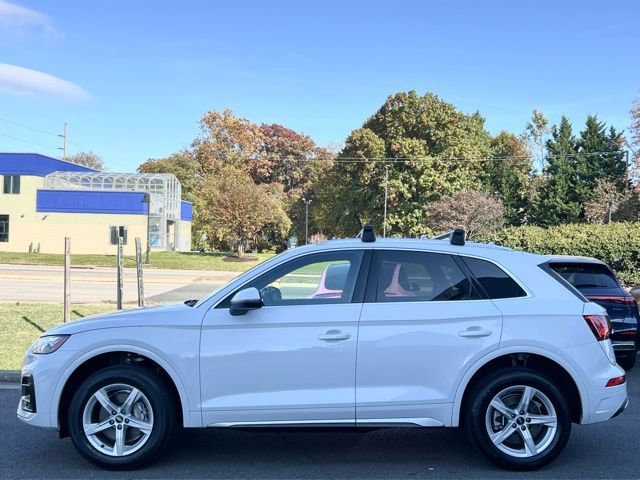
(40, 283)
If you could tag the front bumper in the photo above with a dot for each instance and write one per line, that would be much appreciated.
(43, 372)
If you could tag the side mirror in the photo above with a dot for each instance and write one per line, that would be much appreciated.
(245, 300)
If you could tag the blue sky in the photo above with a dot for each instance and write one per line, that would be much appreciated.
(132, 78)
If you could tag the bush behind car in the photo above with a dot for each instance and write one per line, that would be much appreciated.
(617, 244)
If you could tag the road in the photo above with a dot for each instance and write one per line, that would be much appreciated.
(605, 450)
(35, 283)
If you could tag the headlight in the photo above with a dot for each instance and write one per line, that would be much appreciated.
(49, 343)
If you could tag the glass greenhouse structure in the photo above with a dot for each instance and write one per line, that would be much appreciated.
(164, 195)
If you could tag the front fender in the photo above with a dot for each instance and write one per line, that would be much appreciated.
(191, 417)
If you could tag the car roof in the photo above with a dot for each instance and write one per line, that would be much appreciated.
(575, 259)
(483, 250)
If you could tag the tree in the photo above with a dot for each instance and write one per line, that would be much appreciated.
(477, 212)
(559, 201)
(294, 161)
(509, 175)
(349, 196)
(608, 203)
(88, 159)
(226, 139)
(270, 153)
(288, 158)
(536, 132)
(600, 157)
(635, 131)
(184, 166)
(431, 149)
(233, 209)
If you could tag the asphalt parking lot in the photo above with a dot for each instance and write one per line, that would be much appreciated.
(606, 450)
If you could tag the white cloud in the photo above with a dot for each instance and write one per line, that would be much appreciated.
(20, 21)
(24, 81)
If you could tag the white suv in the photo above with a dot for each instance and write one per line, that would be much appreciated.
(345, 334)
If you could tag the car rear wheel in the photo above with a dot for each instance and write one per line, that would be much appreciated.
(121, 417)
(518, 419)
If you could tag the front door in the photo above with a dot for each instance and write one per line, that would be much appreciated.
(422, 323)
(292, 361)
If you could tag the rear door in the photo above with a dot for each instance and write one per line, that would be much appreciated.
(422, 324)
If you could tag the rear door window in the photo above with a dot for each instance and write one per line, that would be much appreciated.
(586, 275)
(409, 276)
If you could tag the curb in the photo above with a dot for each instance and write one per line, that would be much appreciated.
(9, 376)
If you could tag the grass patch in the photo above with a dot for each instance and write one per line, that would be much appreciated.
(22, 324)
(174, 260)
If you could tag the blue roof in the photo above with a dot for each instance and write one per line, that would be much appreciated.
(36, 165)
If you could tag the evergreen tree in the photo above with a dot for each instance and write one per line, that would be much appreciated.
(559, 202)
(601, 158)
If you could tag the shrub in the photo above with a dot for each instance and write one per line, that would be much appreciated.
(476, 212)
(617, 244)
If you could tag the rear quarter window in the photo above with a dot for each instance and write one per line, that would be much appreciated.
(495, 281)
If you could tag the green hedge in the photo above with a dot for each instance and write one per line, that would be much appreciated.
(617, 244)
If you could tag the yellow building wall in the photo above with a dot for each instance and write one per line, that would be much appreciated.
(21, 209)
(45, 231)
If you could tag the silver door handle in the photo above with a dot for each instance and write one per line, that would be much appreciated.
(333, 335)
(475, 332)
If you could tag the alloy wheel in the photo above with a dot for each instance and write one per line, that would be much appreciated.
(521, 421)
(117, 420)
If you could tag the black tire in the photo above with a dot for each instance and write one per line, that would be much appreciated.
(627, 362)
(162, 407)
(476, 412)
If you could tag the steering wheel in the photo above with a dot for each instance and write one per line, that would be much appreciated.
(271, 295)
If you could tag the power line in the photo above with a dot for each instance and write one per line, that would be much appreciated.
(340, 159)
(27, 141)
(27, 127)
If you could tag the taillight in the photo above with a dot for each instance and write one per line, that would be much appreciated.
(614, 382)
(599, 325)
(620, 299)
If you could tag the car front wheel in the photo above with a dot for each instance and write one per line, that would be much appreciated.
(518, 419)
(121, 417)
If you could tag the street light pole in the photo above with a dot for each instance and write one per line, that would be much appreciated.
(306, 220)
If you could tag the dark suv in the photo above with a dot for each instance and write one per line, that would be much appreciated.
(596, 281)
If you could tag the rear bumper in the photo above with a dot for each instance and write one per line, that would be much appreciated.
(622, 408)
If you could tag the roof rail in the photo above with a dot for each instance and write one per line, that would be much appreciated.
(367, 234)
(455, 236)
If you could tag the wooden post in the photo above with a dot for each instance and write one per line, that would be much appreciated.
(119, 292)
(67, 277)
(139, 273)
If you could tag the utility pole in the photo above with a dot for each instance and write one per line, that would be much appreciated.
(306, 220)
(386, 196)
(64, 142)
